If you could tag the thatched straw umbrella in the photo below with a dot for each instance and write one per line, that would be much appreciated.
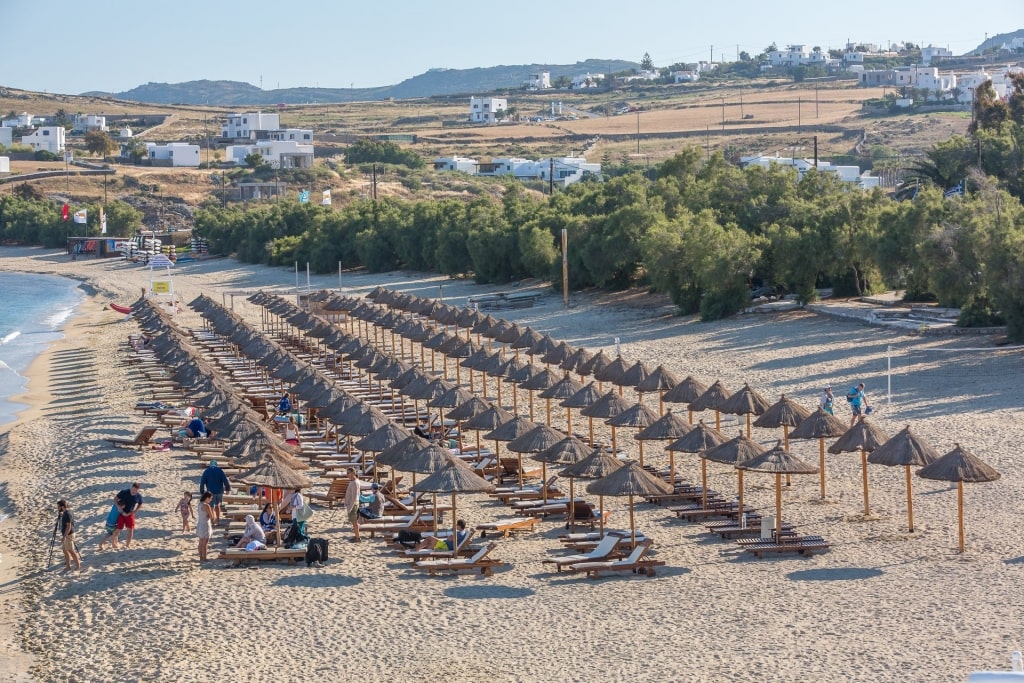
(697, 440)
(637, 415)
(558, 355)
(395, 455)
(587, 396)
(512, 368)
(427, 460)
(687, 391)
(510, 431)
(713, 399)
(634, 375)
(595, 466)
(534, 441)
(959, 465)
(905, 449)
(614, 372)
(608, 406)
(661, 379)
(462, 412)
(455, 396)
(568, 451)
(576, 362)
(668, 427)
(474, 361)
(488, 421)
(865, 437)
(734, 452)
(274, 474)
(541, 382)
(820, 425)
(561, 390)
(784, 413)
(630, 480)
(598, 362)
(523, 376)
(453, 476)
(746, 402)
(778, 461)
(495, 366)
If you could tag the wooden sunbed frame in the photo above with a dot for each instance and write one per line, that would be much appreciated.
(140, 440)
(478, 561)
(508, 526)
(805, 545)
(240, 555)
(636, 563)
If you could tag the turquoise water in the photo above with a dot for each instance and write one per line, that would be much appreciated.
(33, 310)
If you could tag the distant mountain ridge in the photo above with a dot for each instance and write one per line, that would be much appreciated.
(434, 82)
(997, 41)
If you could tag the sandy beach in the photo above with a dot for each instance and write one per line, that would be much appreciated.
(882, 604)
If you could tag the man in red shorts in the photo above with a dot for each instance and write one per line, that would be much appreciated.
(129, 501)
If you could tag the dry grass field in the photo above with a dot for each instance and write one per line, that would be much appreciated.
(761, 118)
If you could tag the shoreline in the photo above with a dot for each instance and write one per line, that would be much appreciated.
(853, 613)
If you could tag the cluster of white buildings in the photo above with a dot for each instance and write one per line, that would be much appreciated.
(847, 174)
(940, 85)
(561, 170)
(262, 134)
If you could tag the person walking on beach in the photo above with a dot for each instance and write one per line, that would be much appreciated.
(129, 502)
(204, 529)
(110, 528)
(352, 502)
(827, 400)
(216, 482)
(67, 537)
(185, 510)
(858, 403)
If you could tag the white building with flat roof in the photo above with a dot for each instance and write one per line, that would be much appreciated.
(462, 164)
(563, 171)
(929, 53)
(5, 165)
(277, 153)
(6, 136)
(86, 122)
(240, 126)
(847, 174)
(587, 80)
(539, 81)
(485, 109)
(46, 138)
(173, 154)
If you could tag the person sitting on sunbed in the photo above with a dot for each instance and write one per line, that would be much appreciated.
(291, 432)
(268, 520)
(372, 503)
(253, 532)
(194, 428)
(444, 544)
(284, 406)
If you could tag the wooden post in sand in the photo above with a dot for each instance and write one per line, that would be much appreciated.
(821, 464)
(960, 510)
(910, 502)
(864, 469)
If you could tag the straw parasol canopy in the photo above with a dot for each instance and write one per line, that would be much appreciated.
(595, 466)
(777, 461)
(630, 480)
(614, 372)
(638, 415)
(784, 413)
(598, 362)
(452, 477)
(608, 406)
(865, 437)
(713, 399)
(385, 437)
(635, 374)
(534, 441)
(542, 381)
(510, 431)
(661, 379)
(587, 396)
(259, 445)
(274, 473)
(698, 439)
(734, 452)
(558, 355)
(576, 362)
(819, 425)
(959, 465)
(561, 390)
(687, 391)
(905, 449)
(488, 420)
(747, 402)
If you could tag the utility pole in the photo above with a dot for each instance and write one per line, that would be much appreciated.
(551, 176)
(798, 103)
(707, 141)
(723, 114)
(815, 100)
(712, 55)
(637, 131)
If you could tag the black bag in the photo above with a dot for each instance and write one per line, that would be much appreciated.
(295, 535)
(409, 539)
(316, 551)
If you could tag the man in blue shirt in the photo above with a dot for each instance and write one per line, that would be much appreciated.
(284, 406)
(858, 403)
(216, 482)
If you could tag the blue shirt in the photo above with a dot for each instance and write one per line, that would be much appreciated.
(856, 396)
(196, 426)
(285, 405)
(214, 480)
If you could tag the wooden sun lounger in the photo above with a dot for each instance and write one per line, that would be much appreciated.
(508, 526)
(240, 555)
(465, 549)
(335, 494)
(140, 440)
(605, 549)
(731, 511)
(731, 528)
(636, 562)
(805, 545)
(479, 560)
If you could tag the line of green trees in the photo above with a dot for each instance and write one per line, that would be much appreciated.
(28, 218)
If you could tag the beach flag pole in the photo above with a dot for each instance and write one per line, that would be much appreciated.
(296, 283)
(565, 267)
(339, 276)
(888, 375)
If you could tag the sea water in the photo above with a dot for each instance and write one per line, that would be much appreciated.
(33, 311)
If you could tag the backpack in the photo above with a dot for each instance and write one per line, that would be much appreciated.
(852, 395)
(316, 551)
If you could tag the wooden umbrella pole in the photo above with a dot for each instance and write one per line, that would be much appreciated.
(591, 430)
(548, 401)
(515, 399)
(690, 414)
(785, 437)
(821, 464)
(572, 504)
(615, 444)
(455, 529)
(739, 499)
(910, 502)
(471, 379)
(864, 475)
(520, 455)
(778, 506)
(568, 421)
(458, 371)
(704, 483)
(497, 381)
(718, 421)
(633, 527)
(661, 402)
(600, 500)
(544, 485)
(529, 395)
(672, 470)
(478, 451)
(748, 425)
(960, 510)
(641, 453)
(434, 496)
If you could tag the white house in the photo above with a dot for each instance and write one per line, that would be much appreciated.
(87, 122)
(485, 109)
(245, 125)
(685, 76)
(793, 55)
(48, 138)
(125, 133)
(301, 135)
(539, 81)
(5, 165)
(173, 154)
(587, 80)
(847, 174)
(277, 153)
(929, 53)
(852, 57)
(463, 164)
(22, 120)
(645, 75)
(6, 136)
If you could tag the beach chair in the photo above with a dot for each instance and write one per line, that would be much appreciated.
(805, 545)
(464, 549)
(605, 549)
(414, 522)
(636, 562)
(508, 525)
(479, 561)
(334, 494)
(587, 542)
(240, 555)
(140, 440)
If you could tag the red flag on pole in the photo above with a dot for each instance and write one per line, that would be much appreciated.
(64, 212)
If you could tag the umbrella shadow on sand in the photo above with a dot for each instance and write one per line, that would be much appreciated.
(487, 591)
(835, 574)
(318, 580)
(564, 577)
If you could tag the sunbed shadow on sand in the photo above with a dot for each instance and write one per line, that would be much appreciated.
(487, 591)
(5, 443)
(565, 577)
(1015, 560)
(95, 580)
(301, 577)
(835, 574)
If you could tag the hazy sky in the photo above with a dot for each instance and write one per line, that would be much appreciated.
(73, 47)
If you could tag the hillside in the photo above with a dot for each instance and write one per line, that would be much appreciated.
(997, 41)
(433, 82)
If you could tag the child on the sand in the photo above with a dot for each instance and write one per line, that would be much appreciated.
(109, 527)
(185, 509)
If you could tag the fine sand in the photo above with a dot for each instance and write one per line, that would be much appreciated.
(881, 605)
